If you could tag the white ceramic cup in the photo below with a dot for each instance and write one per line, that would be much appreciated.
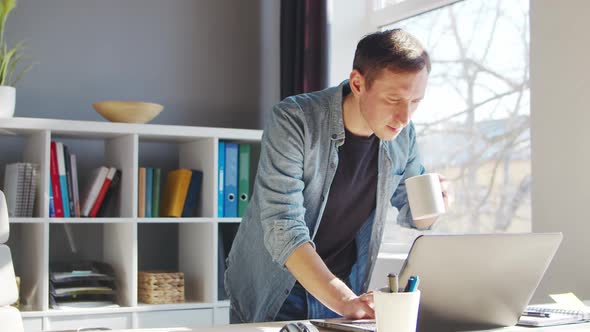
(396, 311)
(425, 196)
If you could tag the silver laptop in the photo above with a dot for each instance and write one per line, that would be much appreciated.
(470, 282)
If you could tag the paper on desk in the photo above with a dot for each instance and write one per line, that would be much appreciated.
(568, 301)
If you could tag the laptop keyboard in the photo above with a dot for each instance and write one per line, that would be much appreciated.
(366, 324)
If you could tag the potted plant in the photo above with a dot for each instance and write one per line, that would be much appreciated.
(9, 59)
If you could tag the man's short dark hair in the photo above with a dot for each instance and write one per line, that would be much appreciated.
(395, 49)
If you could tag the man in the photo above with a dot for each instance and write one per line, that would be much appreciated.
(330, 163)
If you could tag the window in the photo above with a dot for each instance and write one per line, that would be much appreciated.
(474, 125)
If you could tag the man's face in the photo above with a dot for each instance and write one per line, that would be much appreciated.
(388, 105)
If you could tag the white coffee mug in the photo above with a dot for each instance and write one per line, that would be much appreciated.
(425, 196)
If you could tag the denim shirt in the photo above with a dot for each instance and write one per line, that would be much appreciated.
(298, 160)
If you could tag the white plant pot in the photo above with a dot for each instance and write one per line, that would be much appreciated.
(7, 101)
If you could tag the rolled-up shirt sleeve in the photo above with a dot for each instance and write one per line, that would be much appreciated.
(413, 167)
(279, 182)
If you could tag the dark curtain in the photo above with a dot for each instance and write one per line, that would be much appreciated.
(303, 46)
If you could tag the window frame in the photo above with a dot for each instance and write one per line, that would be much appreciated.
(376, 19)
(379, 17)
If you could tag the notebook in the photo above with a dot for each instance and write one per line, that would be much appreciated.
(466, 281)
(557, 315)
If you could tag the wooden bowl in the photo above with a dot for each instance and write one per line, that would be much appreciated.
(127, 111)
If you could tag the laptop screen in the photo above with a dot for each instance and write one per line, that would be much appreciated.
(477, 281)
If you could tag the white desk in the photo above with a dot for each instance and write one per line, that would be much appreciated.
(276, 326)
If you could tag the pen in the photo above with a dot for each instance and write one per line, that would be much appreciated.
(393, 282)
(536, 314)
(412, 285)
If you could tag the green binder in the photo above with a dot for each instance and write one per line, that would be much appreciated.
(243, 178)
(156, 193)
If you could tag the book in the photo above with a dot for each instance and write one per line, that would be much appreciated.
(141, 193)
(63, 183)
(149, 180)
(220, 178)
(230, 208)
(69, 181)
(75, 186)
(54, 177)
(51, 206)
(109, 205)
(243, 178)
(156, 193)
(93, 188)
(175, 190)
(102, 192)
(192, 196)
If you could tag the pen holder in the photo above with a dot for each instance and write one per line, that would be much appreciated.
(396, 311)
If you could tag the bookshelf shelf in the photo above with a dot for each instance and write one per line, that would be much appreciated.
(81, 221)
(229, 220)
(23, 220)
(174, 306)
(121, 220)
(195, 220)
(122, 239)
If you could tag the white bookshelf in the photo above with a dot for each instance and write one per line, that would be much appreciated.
(120, 240)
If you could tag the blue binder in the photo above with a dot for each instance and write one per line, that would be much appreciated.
(231, 180)
(220, 179)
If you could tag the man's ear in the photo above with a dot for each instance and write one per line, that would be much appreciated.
(357, 82)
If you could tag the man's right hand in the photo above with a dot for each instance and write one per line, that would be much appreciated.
(313, 274)
(359, 307)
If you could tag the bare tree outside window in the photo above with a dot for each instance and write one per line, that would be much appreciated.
(474, 124)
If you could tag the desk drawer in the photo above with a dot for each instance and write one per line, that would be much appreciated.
(221, 316)
(112, 321)
(33, 324)
(175, 318)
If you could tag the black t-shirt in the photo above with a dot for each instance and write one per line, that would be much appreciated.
(351, 200)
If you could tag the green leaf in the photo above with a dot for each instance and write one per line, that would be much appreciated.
(10, 58)
(6, 6)
(20, 75)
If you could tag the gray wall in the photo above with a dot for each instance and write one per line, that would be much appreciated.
(201, 59)
(560, 136)
(209, 62)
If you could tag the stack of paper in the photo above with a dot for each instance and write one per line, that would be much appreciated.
(82, 285)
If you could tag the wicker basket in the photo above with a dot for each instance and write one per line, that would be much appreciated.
(157, 287)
